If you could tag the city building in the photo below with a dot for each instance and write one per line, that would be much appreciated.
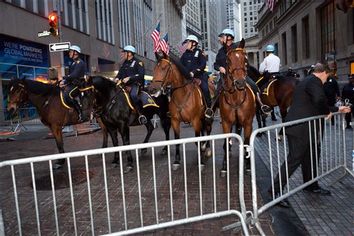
(210, 30)
(249, 17)
(306, 32)
(101, 28)
(233, 18)
(193, 18)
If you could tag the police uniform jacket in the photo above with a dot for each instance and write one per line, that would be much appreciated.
(221, 57)
(348, 92)
(331, 90)
(309, 100)
(194, 61)
(134, 69)
(76, 71)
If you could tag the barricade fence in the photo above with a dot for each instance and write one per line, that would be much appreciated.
(328, 148)
(89, 196)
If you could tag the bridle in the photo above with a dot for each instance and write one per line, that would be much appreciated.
(239, 84)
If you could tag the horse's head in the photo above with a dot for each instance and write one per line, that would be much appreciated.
(17, 95)
(237, 66)
(162, 74)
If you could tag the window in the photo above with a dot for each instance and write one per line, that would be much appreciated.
(284, 48)
(305, 37)
(327, 30)
(294, 43)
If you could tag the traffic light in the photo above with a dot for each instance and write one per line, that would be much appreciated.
(53, 23)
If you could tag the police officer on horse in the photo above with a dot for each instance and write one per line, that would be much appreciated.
(194, 61)
(132, 74)
(74, 79)
(227, 38)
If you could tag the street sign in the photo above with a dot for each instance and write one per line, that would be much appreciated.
(57, 47)
(44, 33)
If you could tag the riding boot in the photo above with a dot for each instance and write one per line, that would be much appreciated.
(265, 108)
(77, 107)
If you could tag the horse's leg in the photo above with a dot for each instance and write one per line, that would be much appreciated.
(114, 137)
(166, 125)
(104, 132)
(58, 135)
(226, 126)
(176, 130)
(247, 135)
(125, 133)
(149, 127)
(274, 118)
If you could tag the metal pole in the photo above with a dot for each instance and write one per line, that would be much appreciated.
(60, 34)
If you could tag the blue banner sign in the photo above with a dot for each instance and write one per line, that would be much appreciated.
(18, 51)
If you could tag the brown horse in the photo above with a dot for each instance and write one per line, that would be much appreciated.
(237, 101)
(276, 91)
(186, 104)
(48, 102)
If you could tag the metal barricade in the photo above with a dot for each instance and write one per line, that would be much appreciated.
(88, 197)
(328, 154)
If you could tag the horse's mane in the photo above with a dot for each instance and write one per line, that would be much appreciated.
(180, 67)
(102, 83)
(251, 70)
(36, 87)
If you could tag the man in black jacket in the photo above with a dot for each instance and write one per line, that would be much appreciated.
(348, 93)
(308, 100)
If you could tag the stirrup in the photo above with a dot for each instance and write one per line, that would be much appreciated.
(142, 119)
(209, 113)
(266, 109)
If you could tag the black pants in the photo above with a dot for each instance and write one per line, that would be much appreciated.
(299, 154)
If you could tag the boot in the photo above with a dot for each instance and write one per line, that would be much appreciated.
(265, 108)
(77, 108)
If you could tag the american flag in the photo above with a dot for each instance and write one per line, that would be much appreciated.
(270, 4)
(155, 35)
(164, 44)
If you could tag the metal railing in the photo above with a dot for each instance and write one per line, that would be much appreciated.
(150, 198)
(328, 153)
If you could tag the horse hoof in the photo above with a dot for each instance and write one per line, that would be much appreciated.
(164, 152)
(128, 169)
(223, 173)
(280, 137)
(175, 166)
(259, 134)
(143, 151)
(203, 147)
(57, 166)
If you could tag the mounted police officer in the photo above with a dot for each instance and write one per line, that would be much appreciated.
(226, 37)
(271, 62)
(194, 61)
(73, 80)
(132, 74)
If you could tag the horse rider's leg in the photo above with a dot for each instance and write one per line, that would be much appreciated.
(125, 133)
(113, 133)
(176, 129)
(149, 128)
(74, 94)
(58, 135)
(265, 108)
(134, 94)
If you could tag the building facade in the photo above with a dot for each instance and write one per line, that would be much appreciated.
(233, 17)
(306, 32)
(193, 18)
(249, 17)
(101, 28)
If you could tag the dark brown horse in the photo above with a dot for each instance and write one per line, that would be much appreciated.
(186, 104)
(48, 102)
(276, 91)
(237, 101)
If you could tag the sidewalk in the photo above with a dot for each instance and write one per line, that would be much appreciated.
(320, 215)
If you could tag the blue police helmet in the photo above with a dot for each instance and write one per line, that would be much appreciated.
(228, 32)
(129, 48)
(270, 48)
(75, 48)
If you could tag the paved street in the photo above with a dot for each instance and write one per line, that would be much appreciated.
(310, 215)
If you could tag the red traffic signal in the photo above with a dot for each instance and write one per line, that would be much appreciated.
(53, 23)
